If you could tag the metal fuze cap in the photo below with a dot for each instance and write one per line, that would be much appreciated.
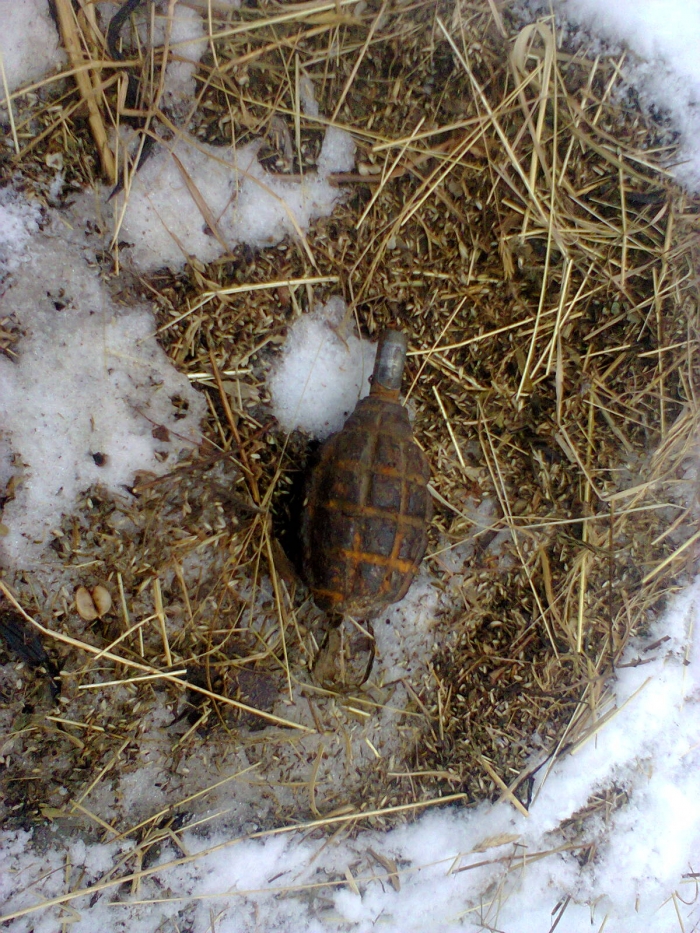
(391, 359)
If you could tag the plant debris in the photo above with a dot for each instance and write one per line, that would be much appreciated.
(512, 213)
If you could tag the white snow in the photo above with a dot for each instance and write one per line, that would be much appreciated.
(184, 27)
(178, 25)
(322, 374)
(491, 867)
(187, 44)
(664, 37)
(87, 379)
(19, 219)
(192, 199)
(79, 404)
(26, 27)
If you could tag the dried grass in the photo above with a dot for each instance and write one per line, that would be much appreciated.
(512, 213)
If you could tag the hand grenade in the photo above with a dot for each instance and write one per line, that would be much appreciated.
(364, 529)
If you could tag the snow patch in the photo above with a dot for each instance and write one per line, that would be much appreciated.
(27, 27)
(188, 44)
(191, 199)
(665, 35)
(19, 219)
(322, 374)
(464, 870)
(80, 402)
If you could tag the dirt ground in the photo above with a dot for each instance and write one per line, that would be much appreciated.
(510, 211)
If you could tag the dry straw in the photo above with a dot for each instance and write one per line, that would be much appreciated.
(517, 218)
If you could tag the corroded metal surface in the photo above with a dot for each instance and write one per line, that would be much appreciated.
(365, 524)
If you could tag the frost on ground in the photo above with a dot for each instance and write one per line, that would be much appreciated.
(630, 869)
(88, 397)
(191, 199)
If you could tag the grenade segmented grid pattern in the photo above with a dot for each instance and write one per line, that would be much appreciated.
(365, 525)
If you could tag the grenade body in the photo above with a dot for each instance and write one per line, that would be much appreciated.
(364, 530)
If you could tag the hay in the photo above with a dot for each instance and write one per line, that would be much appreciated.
(512, 213)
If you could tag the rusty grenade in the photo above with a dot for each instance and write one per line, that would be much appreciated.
(365, 522)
